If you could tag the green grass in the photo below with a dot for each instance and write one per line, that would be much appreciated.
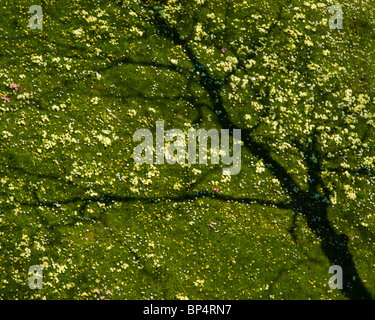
(73, 201)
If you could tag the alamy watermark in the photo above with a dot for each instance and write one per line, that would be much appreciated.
(175, 151)
(36, 21)
(335, 22)
(335, 282)
(36, 279)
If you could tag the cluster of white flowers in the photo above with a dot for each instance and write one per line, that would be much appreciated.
(7, 134)
(95, 100)
(105, 140)
(350, 193)
(79, 33)
(229, 64)
(136, 30)
(198, 283)
(259, 167)
(131, 112)
(38, 60)
(180, 296)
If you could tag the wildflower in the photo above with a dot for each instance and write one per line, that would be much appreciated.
(223, 50)
(198, 282)
(14, 86)
(94, 100)
(151, 244)
(38, 60)
(180, 296)
(105, 140)
(196, 171)
(260, 167)
(7, 134)
(5, 99)
(309, 43)
(78, 33)
(97, 291)
(91, 19)
(132, 112)
(216, 189)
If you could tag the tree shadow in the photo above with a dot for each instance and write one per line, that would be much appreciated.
(314, 209)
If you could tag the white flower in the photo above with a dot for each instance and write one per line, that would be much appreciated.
(91, 19)
(363, 99)
(198, 282)
(133, 189)
(78, 33)
(44, 117)
(105, 140)
(351, 195)
(177, 186)
(309, 43)
(94, 100)
(196, 171)
(132, 112)
(250, 63)
(7, 134)
(38, 60)
(259, 167)
(136, 30)
(179, 296)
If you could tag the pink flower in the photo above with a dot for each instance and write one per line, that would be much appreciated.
(109, 292)
(14, 86)
(216, 189)
(223, 50)
(5, 99)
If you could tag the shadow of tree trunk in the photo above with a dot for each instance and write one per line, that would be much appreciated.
(335, 246)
